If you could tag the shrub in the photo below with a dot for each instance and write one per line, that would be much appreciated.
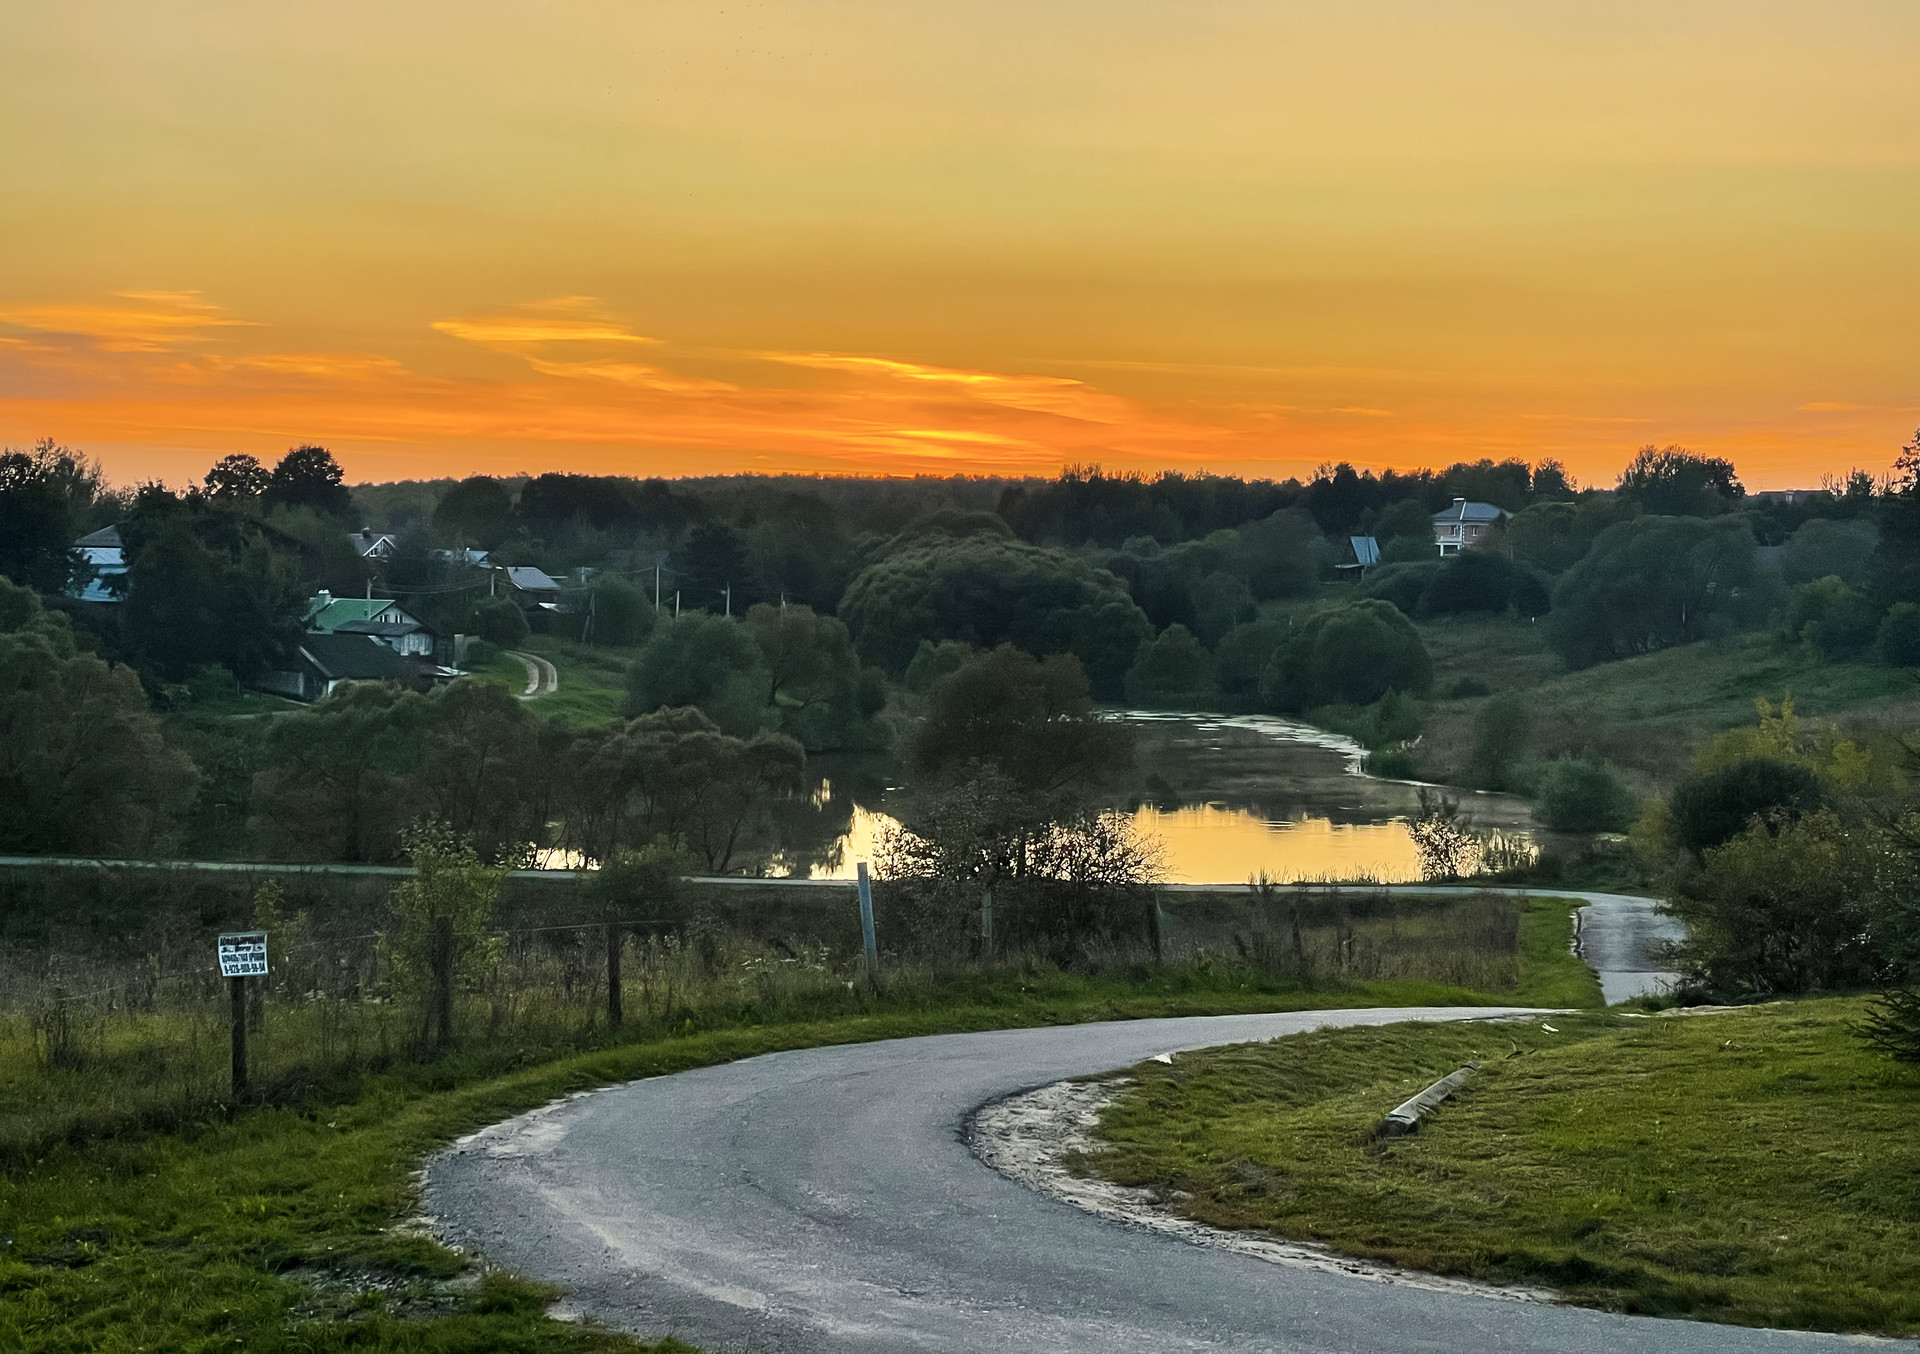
(1899, 638)
(1831, 617)
(617, 613)
(1243, 655)
(1350, 655)
(1467, 688)
(1586, 794)
(499, 622)
(1716, 806)
(1781, 909)
(1500, 735)
(1220, 602)
(1825, 546)
(1391, 764)
(1172, 669)
(1480, 580)
(709, 662)
(1402, 584)
(933, 661)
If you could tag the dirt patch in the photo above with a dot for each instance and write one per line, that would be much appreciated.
(1030, 1137)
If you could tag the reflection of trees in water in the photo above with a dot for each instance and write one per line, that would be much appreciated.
(808, 829)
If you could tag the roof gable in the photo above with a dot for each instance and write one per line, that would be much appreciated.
(328, 614)
(1463, 511)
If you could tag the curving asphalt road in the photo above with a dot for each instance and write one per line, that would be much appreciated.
(824, 1200)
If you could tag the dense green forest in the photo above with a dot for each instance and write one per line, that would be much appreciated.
(748, 622)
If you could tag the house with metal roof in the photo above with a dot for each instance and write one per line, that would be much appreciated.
(106, 561)
(532, 585)
(371, 544)
(1363, 552)
(1463, 525)
(376, 617)
(324, 661)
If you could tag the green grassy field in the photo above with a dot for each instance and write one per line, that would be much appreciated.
(1646, 714)
(592, 680)
(1756, 1166)
(275, 1228)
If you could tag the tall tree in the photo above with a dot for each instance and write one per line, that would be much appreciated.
(237, 479)
(42, 494)
(309, 477)
(477, 512)
(1674, 482)
(83, 766)
(1896, 562)
(1652, 583)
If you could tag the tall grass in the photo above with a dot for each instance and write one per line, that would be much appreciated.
(95, 1041)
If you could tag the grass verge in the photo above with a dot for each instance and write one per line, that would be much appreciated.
(1756, 1167)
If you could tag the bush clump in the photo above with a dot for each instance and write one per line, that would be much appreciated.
(1172, 670)
(1714, 807)
(1899, 636)
(1350, 655)
(1831, 617)
(1585, 794)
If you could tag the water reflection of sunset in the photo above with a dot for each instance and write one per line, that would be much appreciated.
(1208, 844)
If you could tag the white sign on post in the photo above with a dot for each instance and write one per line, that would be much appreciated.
(243, 954)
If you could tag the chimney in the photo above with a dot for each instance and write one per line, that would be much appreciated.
(1459, 502)
(326, 598)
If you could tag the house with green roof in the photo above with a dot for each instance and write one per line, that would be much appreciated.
(379, 617)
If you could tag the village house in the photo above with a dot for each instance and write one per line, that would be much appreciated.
(375, 617)
(106, 561)
(1464, 525)
(371, 544)
(323, 661)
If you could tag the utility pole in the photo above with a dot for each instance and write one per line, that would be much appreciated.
(656, 585)
(676, 604)
(728, 591)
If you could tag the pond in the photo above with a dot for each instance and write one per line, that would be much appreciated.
(1229, 797)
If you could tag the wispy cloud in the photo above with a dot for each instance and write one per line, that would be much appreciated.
(557, 321)
(1059, 396)
(134, 322)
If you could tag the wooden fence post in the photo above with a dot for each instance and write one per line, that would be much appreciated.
(237, 996)
(443, 979)
(614, 1012)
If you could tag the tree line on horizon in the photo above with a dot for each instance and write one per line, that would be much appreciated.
(841, 591)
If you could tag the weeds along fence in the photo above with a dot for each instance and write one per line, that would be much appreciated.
(1351, 935)
(113, 1014)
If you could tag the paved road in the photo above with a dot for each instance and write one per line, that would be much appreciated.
(1617, 936)
(823, 1200)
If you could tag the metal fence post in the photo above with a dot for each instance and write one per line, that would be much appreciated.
(866, 927)
(237, 996)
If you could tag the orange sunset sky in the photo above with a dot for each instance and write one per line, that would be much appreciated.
(663, 237)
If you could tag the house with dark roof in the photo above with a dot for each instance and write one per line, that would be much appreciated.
(1463, 525)
(323, 662)
(377, 617)
(371, 544)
